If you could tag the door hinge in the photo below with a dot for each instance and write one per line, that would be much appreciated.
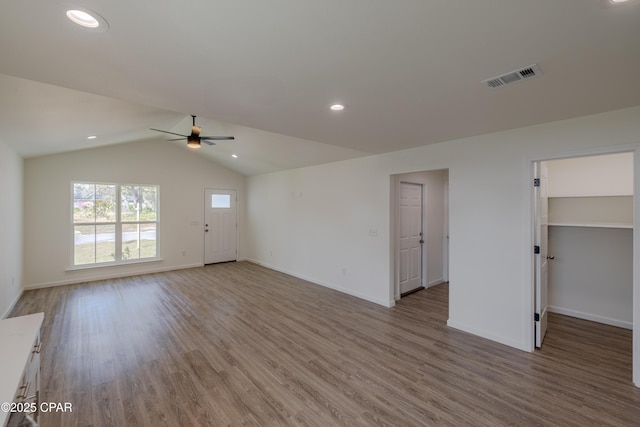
(536, 182)
(536, 249)
(536, 317)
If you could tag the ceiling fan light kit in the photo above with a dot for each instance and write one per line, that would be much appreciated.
(194, 140)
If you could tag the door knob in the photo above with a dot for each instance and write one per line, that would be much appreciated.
(550, 257)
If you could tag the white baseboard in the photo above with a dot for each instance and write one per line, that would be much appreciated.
(488, 335)
(109, 276)
(434, 283)
(164, 269)
(387, 304)
(430, 284)
(591, 317)
(13, 304)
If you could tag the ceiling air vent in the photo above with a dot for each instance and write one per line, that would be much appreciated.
(513, 77)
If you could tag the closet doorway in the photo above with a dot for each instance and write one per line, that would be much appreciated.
(586, 239)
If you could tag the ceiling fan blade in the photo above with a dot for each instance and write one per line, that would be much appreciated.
(206, 141)
(218, 138)
(176, 139)
(172, 133)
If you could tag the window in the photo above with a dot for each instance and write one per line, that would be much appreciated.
(221, 201)
(114, 223)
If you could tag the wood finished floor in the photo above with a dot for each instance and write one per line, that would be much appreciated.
(238, 344)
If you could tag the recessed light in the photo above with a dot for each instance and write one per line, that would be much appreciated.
(82, 18)
(87, 19)
(618, 1)
(235, 156)
(92, 137)
(337, 107)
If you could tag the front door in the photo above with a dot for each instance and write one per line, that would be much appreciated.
(410, 237)
(220, 226)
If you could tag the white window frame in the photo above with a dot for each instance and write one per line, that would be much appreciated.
(118, 223)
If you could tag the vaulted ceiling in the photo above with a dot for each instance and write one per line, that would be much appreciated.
(409, 71)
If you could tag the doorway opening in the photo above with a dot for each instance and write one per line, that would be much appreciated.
(419, 231)
(583, 240)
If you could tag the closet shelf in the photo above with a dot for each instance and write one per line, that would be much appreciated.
(591, 224)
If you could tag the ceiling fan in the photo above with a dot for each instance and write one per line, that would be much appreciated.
(194, 140)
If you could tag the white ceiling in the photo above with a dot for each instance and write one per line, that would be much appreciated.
(408, 70)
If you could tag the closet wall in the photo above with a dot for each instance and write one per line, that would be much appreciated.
(591, 238)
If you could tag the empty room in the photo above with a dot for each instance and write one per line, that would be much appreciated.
(312, 214)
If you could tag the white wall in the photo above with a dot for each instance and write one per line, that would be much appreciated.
(610, 175)
(181, 174)
(327, 224)
(315, 221)
(11, 166)
(591, 275)
(435, 225)
(607, 211)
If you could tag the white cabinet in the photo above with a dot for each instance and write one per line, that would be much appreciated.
(20, 366)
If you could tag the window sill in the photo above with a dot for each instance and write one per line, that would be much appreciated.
(113, 264)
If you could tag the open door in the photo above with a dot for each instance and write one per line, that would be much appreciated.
(541, 249)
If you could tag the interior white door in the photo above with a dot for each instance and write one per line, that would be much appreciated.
(445, 255)
(220, 229)
(410, 215)
(541, 246)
